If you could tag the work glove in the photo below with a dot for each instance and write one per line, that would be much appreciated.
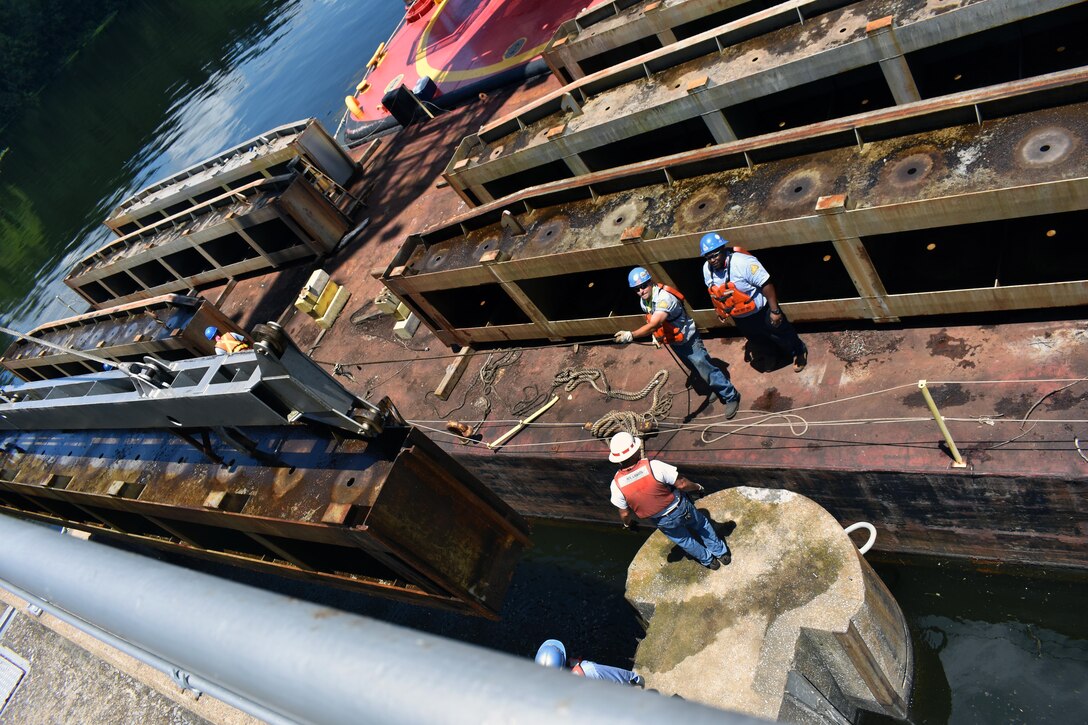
(623, 337)
(697, 493)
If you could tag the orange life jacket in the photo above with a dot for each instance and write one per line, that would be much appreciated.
(643, 492)
(228, 344)
(727, 299)
(668, 333)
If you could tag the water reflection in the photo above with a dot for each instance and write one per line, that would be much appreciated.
(162, 87)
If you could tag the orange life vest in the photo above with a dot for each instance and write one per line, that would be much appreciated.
(668, 333)
(645, 495)
(727, 299)
(228, 344)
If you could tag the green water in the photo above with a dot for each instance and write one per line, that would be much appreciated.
(168, 84)
(163, 86)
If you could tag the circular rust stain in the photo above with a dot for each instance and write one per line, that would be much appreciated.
(693, 213)
(550, 232)
(1045, 147)
(913, 169)
(799, 189)
(488, 245)
(614, 221)
(436, 259)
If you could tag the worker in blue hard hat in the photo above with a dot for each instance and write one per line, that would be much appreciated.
(670, 324)
(741, 289)
(553, 654)
(228, 343)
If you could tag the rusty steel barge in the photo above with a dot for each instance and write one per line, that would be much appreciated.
(911, 172)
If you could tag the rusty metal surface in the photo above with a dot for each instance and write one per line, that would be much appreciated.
(876, 457)
(1026, 165)
(831, 45)
(229, 237)
(265, 155)
(170, 326)
(314, 507)
(1017, 502)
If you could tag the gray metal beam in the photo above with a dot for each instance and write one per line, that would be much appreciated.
(299, 662)
(260, 386)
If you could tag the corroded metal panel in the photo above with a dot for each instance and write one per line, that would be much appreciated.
(911, 213)
(346, 512)
(170, 327)
(725, 84)
(260, 226)
(265, 156)
(604, 35)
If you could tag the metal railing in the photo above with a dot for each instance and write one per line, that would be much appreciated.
(284, 660)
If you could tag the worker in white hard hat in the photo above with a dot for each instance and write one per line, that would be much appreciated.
(553, 654)
(654, 490)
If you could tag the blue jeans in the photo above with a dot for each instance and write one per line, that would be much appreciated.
(693, 353)
(757, 326)
(687, 527)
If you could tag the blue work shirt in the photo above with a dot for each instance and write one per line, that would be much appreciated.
(744, 271)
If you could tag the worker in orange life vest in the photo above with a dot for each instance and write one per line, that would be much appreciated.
(654, 490)
(669, 322)
(740, 288)
(226, 344)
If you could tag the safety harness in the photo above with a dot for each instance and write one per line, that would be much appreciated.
(728, 300)
(667, 333)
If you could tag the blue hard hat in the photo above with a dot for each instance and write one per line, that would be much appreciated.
(637, 277)
(211, 332)
(710, 242)
(552, 654)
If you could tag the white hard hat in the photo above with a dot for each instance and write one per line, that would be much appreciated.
(623, 446)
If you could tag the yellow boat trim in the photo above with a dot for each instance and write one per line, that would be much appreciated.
(424, 68)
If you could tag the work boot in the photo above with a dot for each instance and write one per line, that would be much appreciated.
(731, 408)
(800, 360)
(713, 565)
(726, 558)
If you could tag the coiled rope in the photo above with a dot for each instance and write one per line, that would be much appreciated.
(616, 421)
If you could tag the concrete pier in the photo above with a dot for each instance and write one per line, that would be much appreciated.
(797, 628)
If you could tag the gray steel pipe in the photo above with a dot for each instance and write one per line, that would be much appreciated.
(305, 662)
(184, 679)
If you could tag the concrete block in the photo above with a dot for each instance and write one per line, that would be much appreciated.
(387, 302)
(335, 307)
(406, 329)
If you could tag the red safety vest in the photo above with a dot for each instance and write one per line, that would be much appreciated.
(727, 299)
(228, 344)
(668, 333)
(644, 494)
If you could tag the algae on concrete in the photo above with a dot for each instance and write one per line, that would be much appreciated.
(798, 612)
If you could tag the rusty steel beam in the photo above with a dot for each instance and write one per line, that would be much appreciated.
(728, 90)
(847, 210)
(981, 105)
(260, 226)
(602, 36)
(170, 327)
(265, 156)
(394, 517)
